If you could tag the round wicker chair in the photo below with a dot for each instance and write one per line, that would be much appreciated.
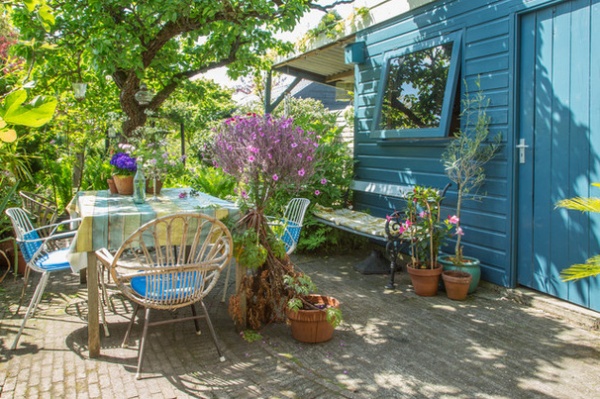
(169, 263)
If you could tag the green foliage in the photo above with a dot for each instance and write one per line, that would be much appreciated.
(591, 267)
(213, 181)
(248, 250)
(251, 336)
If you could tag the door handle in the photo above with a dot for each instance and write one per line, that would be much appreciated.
(522, 146)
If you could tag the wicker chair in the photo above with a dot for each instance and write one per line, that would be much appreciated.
(170, 263)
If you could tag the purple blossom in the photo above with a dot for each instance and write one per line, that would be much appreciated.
(317, 192)
(123, 163)
(301, 172)
(275, 177)
(323, 181)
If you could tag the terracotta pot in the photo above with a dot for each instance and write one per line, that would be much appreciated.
(457, 284)
(124, 184)
(425, 281)
(470, 266)
(150, 186)
(112, 187)
(8, 249)
(311, 326)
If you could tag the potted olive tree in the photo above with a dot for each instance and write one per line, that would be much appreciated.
(464, 160)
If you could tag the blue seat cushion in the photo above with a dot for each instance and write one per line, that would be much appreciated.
(291, 234)
(53, 261)
(164, 287)
(28, 249)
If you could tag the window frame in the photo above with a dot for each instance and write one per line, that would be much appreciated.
(449, 92)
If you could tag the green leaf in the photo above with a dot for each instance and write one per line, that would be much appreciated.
(47, 17)
(36, 114)
(13, 101)
(30, 4)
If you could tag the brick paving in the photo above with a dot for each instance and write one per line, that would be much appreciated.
(486, 347)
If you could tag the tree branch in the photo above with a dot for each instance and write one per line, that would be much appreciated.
(326, 8)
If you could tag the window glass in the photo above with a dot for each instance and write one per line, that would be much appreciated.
(414, 92)
(418, 91)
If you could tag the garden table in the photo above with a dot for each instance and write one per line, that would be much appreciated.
(108, 219)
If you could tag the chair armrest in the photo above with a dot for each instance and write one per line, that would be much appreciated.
(105, 257)
(50, 230)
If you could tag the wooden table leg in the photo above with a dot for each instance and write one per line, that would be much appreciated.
(93, 324)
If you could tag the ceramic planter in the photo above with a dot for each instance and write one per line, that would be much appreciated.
(457, 284)
(112, 187)
(311, 326)
(425, 281)
(150, 186)
(124, 184)
(471, 266)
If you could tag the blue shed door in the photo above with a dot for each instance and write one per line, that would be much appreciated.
(559, 121)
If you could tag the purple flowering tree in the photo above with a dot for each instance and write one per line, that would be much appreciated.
(264, 154)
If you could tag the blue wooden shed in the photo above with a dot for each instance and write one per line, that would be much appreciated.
(538, 63)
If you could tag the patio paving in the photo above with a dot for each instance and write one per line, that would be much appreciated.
(393, 344)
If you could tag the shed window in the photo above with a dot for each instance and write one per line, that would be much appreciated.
(418, 91)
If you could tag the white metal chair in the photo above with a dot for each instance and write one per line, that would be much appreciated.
(170, 263)
(289, 227)
(45, 249)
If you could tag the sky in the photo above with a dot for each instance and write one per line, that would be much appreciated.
(307, 22)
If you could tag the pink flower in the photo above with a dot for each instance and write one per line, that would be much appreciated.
(460, 232)
(317, 192)
(323, 181)
(299, 155)
(251, 158)
(294, 145)
(275, 177)
(387, 217)
(423, 214)
(301, 172)
(244, 195)
(453, 219)
(182, 194)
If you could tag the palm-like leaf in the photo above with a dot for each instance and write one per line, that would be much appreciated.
(589, 269)
(592, 266)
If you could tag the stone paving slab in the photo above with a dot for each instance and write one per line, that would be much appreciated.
(393, 344)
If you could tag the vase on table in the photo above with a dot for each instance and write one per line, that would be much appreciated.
(124, 184)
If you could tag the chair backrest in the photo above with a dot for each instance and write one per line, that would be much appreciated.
(293, 218)
(24, 231)
(172, 261)
(42, 211)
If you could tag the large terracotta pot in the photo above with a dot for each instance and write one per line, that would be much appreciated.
(124, 184)
(457, 284)
(311, 326)
(425, 281)
(471, 266)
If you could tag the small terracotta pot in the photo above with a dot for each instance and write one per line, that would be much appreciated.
(456, 284)
(112, 187)
(150, 186)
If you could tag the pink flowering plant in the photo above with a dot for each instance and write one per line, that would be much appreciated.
(265, 155)
(423, 228)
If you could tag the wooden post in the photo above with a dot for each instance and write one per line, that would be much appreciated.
(93, 322)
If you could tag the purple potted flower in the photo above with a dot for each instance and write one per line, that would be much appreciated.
(124, 167)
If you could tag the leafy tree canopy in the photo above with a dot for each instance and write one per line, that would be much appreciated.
(160, 43)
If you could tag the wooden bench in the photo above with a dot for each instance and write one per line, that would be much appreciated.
(381, 230)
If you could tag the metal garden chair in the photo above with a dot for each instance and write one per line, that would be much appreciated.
(170, 263)
(45, 250)
(288, 227)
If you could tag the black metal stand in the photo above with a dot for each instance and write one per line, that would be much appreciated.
(395, 244)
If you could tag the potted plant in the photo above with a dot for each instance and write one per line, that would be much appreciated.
(152, 154)
(464, 160)
(312, 317)
(425, 232)
(124, 168)
(265, 155)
